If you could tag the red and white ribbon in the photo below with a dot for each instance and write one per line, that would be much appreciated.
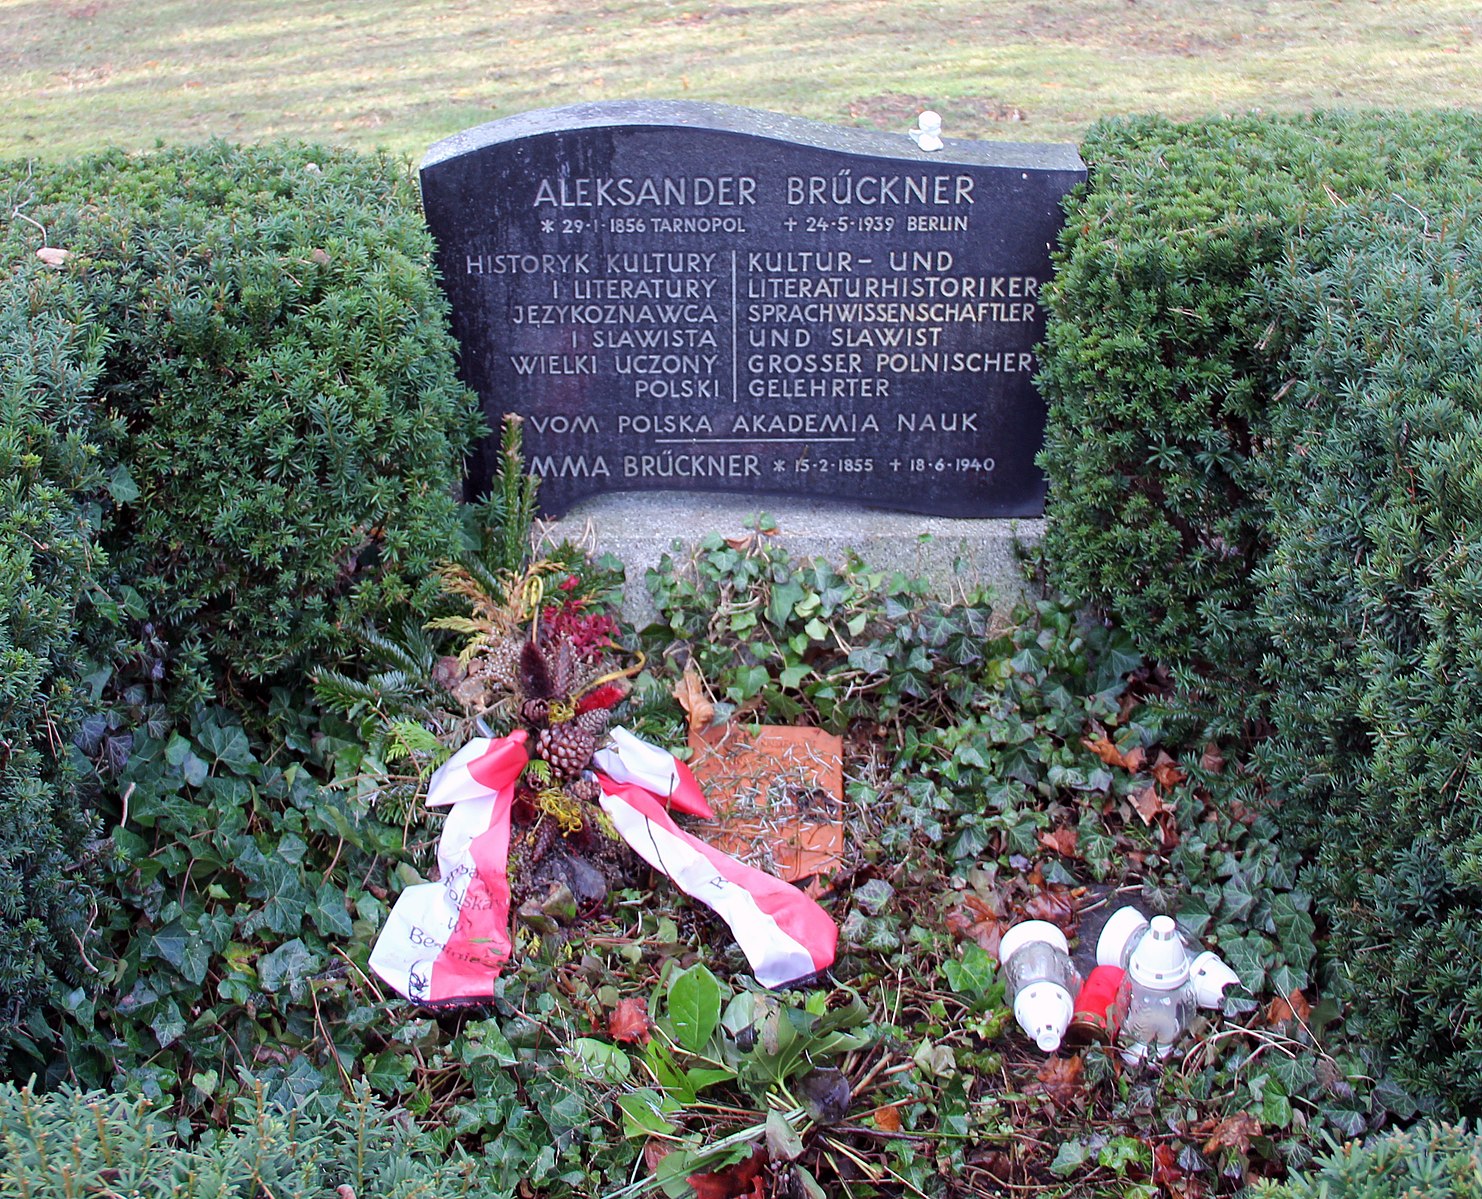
(784, 934)
(449, 940)
(630, 759)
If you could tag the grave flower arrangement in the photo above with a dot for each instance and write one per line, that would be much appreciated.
(549, 672)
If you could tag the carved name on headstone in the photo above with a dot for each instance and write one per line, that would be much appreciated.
(691, 296)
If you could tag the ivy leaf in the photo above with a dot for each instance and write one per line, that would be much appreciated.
(1119, 661)
(1246, 957)
(1121, 1152)
(329, 914)
(1070, 1157)
(1237, 899)
(389, 1072)
(168, 943)
(287, 966)
(178, 753)
(793, 676)
(749, 682)
(121, 485)
(974, 973)
(1295, 929)
(228, 745)
(935, 1061)
(168, 1024)
(1276, 1108)
(785, 597)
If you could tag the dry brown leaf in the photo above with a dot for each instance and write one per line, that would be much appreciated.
(694, 698)
(629, 1021)
(1234, 1132)
(1056, 906)
(1135, 758)
(887, 1119)
(1288, 1007)
(1238, 811)
(1157, 813)
(1166, 1170)
(1062, 841)
(973, 922)
(1105, 750)
(743, 1180)
(53, 256)
(1148, 804)
(655, 1151)
(1168, 772)
(1169, 1178)
(1059, 1078)
(996, 1163)
(1212, 760)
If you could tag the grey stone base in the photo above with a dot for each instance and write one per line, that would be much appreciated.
(640, 527)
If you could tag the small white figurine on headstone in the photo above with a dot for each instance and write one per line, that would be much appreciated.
(928, 131)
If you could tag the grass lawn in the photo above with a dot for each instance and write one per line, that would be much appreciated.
(76, 74)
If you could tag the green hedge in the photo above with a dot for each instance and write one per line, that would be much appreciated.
(1372, 599)
(278, 400)
(73, 1143)
(1163, 357)
(48, 561)
(1437, 1161)
(231, 431)
(1264, 366)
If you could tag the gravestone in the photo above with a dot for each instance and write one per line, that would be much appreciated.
(686, 296)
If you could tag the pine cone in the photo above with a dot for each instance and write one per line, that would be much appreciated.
(566, 748)
(535, 711)
(503, 660)
(562, 660)
(594, 722)
(585, 790)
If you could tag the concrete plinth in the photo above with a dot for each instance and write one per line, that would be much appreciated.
(640, 527)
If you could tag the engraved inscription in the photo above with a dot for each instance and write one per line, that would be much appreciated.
(693, 307)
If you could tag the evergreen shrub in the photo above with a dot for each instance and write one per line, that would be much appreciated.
(277, 399)
(1372, 598)
(1438, 1161)
(1163, 359)
(48, 564)
(70, 1143)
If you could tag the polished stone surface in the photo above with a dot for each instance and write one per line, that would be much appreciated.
(696, 297)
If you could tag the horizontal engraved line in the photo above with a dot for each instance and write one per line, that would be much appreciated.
(751, 440)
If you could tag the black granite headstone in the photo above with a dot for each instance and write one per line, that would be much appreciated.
(692, 296)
